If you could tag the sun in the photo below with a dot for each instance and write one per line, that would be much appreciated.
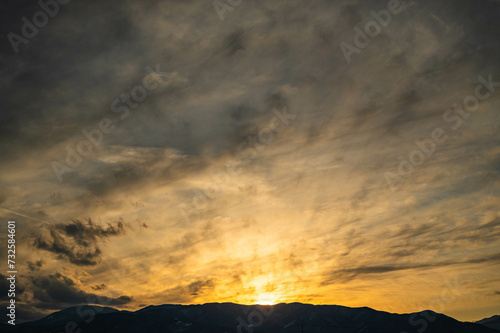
(267, 299)
(265, 302)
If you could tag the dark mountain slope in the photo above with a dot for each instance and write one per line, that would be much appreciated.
(229, 318)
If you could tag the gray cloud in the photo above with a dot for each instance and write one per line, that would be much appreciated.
(57, 290)
(348, 274)
(198, 286)
(77, 241)
(99, 286)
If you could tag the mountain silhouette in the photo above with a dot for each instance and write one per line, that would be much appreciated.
(229, 318)
(491, 322)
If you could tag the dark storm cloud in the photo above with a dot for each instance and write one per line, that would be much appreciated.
(449, 61)
(57, 290)
(78, 242)
(40, 78)
(78, 43)
(71, 72)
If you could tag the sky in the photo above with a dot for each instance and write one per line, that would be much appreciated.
(252, 151)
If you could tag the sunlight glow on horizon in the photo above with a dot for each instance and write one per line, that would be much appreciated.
(268, 299)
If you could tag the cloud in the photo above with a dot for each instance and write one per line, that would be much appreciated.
(35, 266)
(196, 287)
(26, 312)
(58, 290)
(368, 271)
(99, 286)
(77, 241)
(190, 291)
